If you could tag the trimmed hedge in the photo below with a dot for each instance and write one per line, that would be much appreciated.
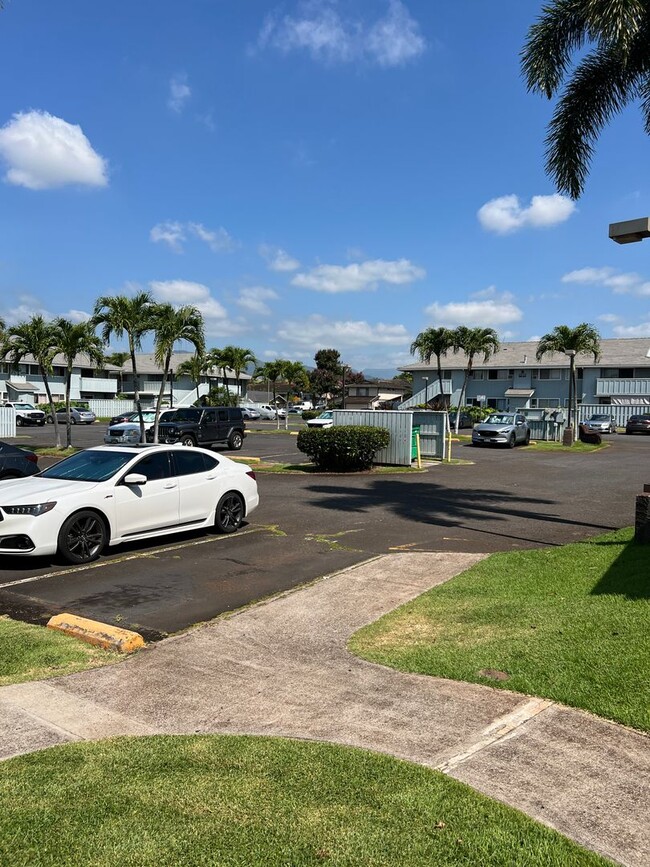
(310, 413)
(343, 448)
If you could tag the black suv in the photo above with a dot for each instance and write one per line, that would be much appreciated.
(203, 426)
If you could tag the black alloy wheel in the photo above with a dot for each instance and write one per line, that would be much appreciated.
(512, 440)
(235, 440)
(188, 440)
(19, 422)
(229, 513)
(82, 537)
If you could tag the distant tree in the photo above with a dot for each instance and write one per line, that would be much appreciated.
(194, 367)
(237, 359)
(74, 339)
(118, 359)
(272, 371)
(430, 342)
(583, 339)
(296, 376)
(118, 315)
(611, 40)
(170, 326)
(40, 339)
(326, 377)
(473, 342)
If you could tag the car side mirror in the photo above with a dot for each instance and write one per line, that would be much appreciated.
(135, 479)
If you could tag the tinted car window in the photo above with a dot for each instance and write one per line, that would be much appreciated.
(155, 466)
(189, 414)
(88, 466)
(188, 462)
(223, 415)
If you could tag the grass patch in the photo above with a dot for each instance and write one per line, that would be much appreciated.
(567, 623)
(255, 802)
(543, 446)
(52, 451)
(30, 652)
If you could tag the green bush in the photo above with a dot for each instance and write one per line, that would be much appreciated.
(344, 448)
(310, 413)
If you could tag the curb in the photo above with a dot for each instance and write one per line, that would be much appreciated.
(99, 634)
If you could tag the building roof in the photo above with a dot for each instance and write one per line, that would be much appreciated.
(614, 352)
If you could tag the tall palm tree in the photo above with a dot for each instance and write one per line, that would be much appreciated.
(171, 325)
(118, 359)
(118, 315)
(473, 342)
(76, 338)
(40, 339)
(614, 71)
(195, 368)
(215, 360)
(272, 370)
(584, 338)
(434, 341)
(237, 359)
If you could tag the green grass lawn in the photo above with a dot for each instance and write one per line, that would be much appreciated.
(32, 652)
(212, 800)
(567, 623)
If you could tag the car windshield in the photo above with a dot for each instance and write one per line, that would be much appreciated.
(599, 418)
(24, 406)
(89, 466)
(501, 419)
(325, 415)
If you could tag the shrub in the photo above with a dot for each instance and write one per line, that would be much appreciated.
(310, 413)
(344, 448)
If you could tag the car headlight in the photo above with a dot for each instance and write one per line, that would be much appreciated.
(34, 509)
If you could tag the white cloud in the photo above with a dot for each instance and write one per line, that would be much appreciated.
(495, 311)
(319, 29)
(179, 93)
(641, 330)
(29, 306)
(169, 233)
(359, 276)
(395, 39)
(175, 234)
(316, 330)
(254, 298)
(506, 213)
(218, 240)
(278, 259)
(179, 292)
(620, 283)
(610, 318)
(43, 152)
(77, 316)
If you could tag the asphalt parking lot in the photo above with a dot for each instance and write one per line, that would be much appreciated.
(312, 525)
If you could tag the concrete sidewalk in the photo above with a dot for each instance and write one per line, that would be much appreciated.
(282, 668)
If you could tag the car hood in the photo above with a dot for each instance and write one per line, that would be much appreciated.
(493, 427)
(17, 492)
(126, 425)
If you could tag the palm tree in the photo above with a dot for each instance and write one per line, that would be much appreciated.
(272, 370)
(118, 359)
(434, 341)
(76, 338)
(171, 325)
(615, 72)
(40, 339)
(473, 341)
(195, 368)
(237, 359)
(215, 359)
(584, 338)
(118, 315)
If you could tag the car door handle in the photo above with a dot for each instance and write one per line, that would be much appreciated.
(170, 485)
(211, 476)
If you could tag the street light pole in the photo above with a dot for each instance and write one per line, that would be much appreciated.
(425, 379)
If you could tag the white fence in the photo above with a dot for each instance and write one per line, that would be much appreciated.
(7, 422)
(620, 413)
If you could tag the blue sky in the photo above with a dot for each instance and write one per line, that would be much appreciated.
(308, 174)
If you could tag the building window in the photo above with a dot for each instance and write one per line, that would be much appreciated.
(500, 374)
(477, 374)
(549, 373)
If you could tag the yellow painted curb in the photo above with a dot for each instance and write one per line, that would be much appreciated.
(94, 632)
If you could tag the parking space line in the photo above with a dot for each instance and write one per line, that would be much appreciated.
(126, 557)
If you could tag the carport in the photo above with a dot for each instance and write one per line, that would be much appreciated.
(401, 424)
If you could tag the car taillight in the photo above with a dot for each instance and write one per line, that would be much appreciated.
(251, 473)
(31, 456)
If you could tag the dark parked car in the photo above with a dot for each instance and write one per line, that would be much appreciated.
(204, 426)
(16, 462)
(638, 424)
(466, 420)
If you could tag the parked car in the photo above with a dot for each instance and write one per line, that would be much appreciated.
(325, 419)
(281, 412)
(203, 426)
(104, 496)
(77, 416)
(266, 411)
(600, 423)
(638, 424)
(504, 428)
(250, 413)
(466, 420)
(129, 431)
(15, 463)
(26, 413)
(295, 410)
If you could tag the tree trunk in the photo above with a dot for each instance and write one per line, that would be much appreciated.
(443, 400)
(55, 421)
(161, 394)
(68, 420)
(136, 389)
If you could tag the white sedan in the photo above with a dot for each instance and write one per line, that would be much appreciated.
(325, 419)
(106, 496)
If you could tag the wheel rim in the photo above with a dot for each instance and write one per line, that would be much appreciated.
(85, 538)
(237, 441)
(187, 441)
(231, 512)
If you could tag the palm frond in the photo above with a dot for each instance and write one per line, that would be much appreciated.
(552, 39)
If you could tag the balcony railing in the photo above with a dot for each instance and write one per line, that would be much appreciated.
(92, 383)
(616, 387)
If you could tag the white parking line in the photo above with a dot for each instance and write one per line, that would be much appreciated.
(127, 557)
